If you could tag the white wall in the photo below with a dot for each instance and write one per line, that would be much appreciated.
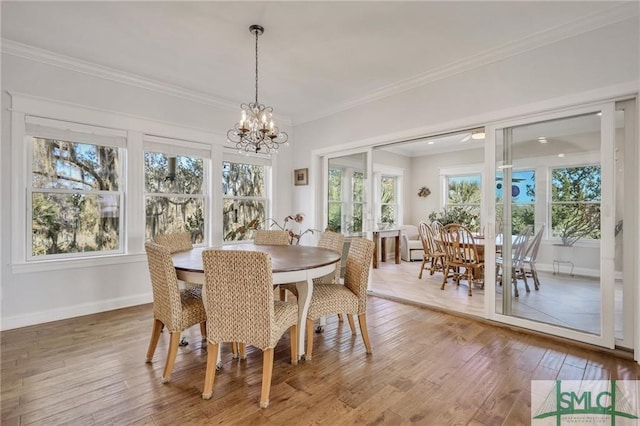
(572, 67)
(33, 297)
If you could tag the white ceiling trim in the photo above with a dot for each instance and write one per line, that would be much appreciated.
(25, 51)
(543, 38)
(610, 16)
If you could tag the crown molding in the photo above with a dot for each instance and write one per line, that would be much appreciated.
(601, 19)
(32, 53)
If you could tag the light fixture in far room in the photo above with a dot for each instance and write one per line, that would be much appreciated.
(478, 134)
(256, 131)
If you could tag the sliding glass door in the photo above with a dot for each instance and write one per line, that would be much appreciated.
(554, 246)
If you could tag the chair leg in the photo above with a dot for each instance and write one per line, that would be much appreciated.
(362, 321)
(203, 330)
(469, 274)
(293, 336)
(234, 349)
(267, 371)
(424, 261)
(534, 274)
(171, 357)
(309, 352)
(445, 272)
(242, 350)
(340, 318)
(283, 294)
(155, 335)
(210, 374)
(352, 324)
(524, 278)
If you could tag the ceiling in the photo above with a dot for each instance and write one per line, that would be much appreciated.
(316, 58)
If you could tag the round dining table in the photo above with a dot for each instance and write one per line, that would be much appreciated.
(290, 264)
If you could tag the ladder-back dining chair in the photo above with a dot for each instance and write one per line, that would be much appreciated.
(461, 252)
(530, 256)
(431, 255)
(518, 249)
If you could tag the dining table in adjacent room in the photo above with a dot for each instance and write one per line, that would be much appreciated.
(290, 264)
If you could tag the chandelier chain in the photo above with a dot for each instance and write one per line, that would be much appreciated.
(257, 34)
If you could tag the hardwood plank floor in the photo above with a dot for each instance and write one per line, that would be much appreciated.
(427, 368)
(567, 301)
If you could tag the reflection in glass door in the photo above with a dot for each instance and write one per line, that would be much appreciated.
(554, 247)
(346, 201)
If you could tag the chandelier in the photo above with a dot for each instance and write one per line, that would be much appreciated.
(255, 132)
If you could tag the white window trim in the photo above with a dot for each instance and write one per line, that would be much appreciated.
(36, 127)
(23, 105)
(268, 182)
(380, 170)
(172, 146)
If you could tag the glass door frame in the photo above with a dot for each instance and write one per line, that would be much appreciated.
(606, 338)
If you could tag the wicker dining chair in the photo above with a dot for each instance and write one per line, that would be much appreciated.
(271, 237)
(461, 252)
(328, 240)
(350, 298)
(240, 308)
(431, 255)
(173, 308)
(176, 242)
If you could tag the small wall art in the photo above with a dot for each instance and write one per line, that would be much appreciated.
(301, 177)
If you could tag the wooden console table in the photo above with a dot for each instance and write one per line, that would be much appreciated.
(379, 239)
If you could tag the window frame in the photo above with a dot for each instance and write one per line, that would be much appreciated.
(551, 203)
(268, 189)
(76, 133)
(183, 148)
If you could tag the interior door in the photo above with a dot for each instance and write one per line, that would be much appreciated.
(554, 178)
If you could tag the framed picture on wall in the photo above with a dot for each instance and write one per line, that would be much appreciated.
(301, 177)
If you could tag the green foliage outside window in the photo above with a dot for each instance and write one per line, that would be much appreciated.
(75, 203)
(575, 203)
(174, 203)
(245, 205)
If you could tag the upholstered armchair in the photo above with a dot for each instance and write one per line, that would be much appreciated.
(410, 245)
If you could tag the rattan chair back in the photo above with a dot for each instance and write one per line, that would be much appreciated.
(176, 242)
(270, 237)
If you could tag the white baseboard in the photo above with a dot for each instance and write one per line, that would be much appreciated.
(8, 323)
(565, 269)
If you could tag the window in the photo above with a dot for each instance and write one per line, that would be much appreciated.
(335, 200)
(575, 203)
(76, 191)
(346, 200)
(389, 199)
(245, 199)
(523, 198)
(463, 200)
(174, 195)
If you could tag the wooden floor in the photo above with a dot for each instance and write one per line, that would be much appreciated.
(567, 301)
(427, 368)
